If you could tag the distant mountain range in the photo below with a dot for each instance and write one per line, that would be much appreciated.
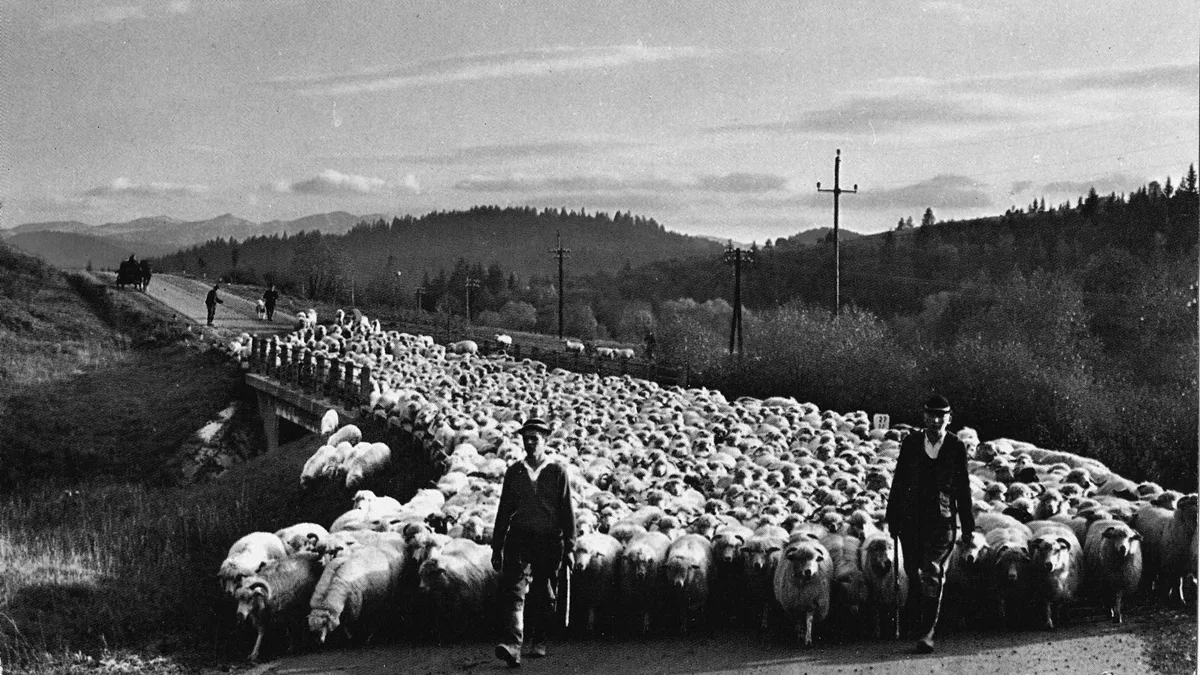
(72, 243)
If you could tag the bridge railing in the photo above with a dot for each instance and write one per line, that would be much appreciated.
(337, 379)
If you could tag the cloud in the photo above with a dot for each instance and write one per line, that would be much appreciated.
(1020, 186)
(331, 182)
(493, 66)
(945, 191)
(879, 114)
(602, 183)
(113, 15)
(1116, 182)
(124, 187)
(742, 182)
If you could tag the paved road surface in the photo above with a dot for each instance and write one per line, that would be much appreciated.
(235, 315)
(1092, 647)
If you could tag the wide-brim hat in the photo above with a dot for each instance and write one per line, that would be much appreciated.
(534, 425)
(937, 404)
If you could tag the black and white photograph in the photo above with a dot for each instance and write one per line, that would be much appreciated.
(361, 337)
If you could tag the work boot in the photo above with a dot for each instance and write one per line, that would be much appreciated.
(509, 654)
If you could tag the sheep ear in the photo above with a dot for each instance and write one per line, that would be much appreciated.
(1137, 536)
(1110, 532)
(1066, 544)
(741, 539)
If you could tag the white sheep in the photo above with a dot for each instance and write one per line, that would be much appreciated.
(278, 595)
(573, 346)
(260, 308)
(317, 466)
(366, 459)
(329, 422)
(604, 352)
(246, 556)
(463, 347)
(623, 354)
(374, 505)
(505, 341)
(302, 537)
(1113, 562)
(459, 586)
(347, 434)
(803, 583)
(353, 590)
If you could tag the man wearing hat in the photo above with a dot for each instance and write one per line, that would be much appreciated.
(929, 491)
(534, 534)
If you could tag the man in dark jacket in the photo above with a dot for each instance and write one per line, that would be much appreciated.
(930, 490)
(270, 297)
(534, 534)
(211, 300)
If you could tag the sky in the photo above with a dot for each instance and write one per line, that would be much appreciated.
(715, 118)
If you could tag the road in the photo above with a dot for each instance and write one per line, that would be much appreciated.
(235, 315)
(1093, 646)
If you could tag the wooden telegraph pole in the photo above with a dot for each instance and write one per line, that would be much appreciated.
(736, 257)
(420, 294)
(467, 286)
(837, 252)
(561, 253)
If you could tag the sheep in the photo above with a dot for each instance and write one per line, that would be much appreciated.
(1179, 543)
(966, 576)
(317, 466)
(881, 563)
(1055, 570)
(604, 352)
(365, 460)
(623, 354)
(246, 556)
(505, 341)
(260, 308)
(688, 573)
(594, 585)
(639, 569)
(302, 537)
(458, 585)
(348, 434)
(354, 519)
(849, 593)
(727, 545)
(574, 346)
(803, 582)
(463, 347)
(368, 501)
(762, 553)
(353, 590)
(1113, 562)
(277, 596)
(1008, 559)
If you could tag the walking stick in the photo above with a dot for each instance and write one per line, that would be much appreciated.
(564, 596)
(896, 585)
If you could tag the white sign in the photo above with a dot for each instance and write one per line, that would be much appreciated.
(881, 421)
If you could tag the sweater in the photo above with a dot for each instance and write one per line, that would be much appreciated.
(543, 509)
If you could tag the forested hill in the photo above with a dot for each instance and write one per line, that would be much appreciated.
(518, 239)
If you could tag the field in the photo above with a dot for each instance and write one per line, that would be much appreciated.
(108, 565)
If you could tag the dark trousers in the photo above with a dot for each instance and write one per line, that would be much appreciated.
(926, 553)
(270, 310)
(528, 586)
(212, 311)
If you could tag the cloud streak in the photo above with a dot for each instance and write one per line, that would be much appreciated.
(1115, 182)
(880, 114)
(113, 15)
(497, 66)
(334, 183)
(752, 183)
(124, 187)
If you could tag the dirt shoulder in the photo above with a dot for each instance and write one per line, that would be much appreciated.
(1089, 645)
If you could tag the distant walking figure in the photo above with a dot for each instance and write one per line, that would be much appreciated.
(270, 296)
(144, 267)
(211, 302)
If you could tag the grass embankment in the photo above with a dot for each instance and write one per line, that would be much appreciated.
(105, 563)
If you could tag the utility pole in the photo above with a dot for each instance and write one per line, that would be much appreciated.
(837, 250)
(420, 294)
(561, 253)
(736, 256)
(467, 286)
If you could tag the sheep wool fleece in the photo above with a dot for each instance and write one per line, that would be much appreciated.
(535, 524)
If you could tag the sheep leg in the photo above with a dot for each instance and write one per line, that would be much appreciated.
(257, 643)
(1048, 624)
(808, 627)
(1117, 616)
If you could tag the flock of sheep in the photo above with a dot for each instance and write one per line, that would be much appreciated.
(693, 512)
